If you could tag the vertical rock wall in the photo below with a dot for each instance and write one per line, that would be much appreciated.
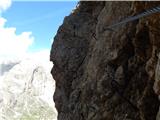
(106, 75)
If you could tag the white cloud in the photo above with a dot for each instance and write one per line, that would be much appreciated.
(41, 57)
(4, 4)
(2, 22)
(15, 46)
(12, 44)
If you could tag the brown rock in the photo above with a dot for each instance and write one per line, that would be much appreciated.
(88, 59)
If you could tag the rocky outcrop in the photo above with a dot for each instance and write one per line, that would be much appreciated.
(102, 74)
(26, 90)
(157, 82)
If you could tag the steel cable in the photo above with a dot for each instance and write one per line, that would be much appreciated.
(132, 18)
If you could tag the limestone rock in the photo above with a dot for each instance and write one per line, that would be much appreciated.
(102, 74)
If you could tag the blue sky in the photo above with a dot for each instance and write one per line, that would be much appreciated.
(42, 19)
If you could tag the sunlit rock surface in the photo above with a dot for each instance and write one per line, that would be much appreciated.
(157, 82)
(26, 91)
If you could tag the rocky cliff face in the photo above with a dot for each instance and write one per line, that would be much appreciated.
(107, 75)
